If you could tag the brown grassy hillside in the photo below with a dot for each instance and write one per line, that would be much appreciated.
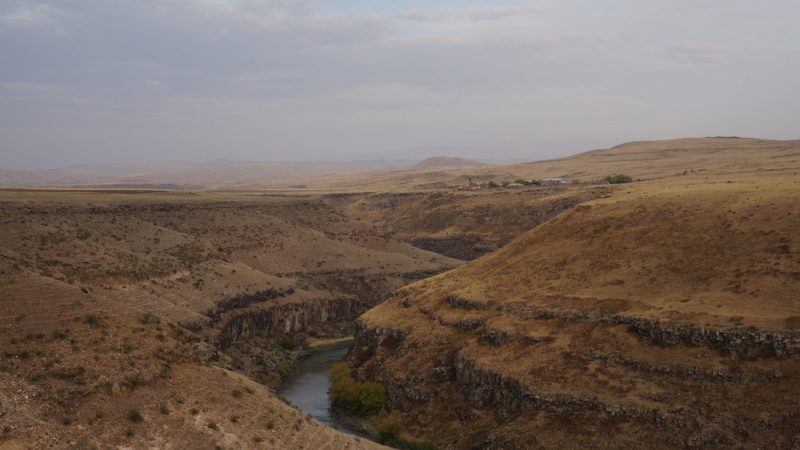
(660, 159)
(657, 314)
(81, 371)
(463, 224)
(688, 158)
(660, 316)
(112, 301)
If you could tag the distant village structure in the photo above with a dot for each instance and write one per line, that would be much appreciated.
(552, 181)
(520, 183)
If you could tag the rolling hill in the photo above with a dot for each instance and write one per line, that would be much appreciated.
(660, 315)
(441, 162)
(696, 158)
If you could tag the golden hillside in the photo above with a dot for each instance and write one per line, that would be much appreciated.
(647, 160)
(659, 159)
(661, 315)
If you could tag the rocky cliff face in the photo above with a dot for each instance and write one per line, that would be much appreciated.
(464, 247)
(288, 318)
(656, 404)
(277, 312)
(599, 332)
(464, 226)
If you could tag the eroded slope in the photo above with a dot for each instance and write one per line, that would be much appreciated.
(115, 301)
(80, 371)
(463, 224)
(661, 316)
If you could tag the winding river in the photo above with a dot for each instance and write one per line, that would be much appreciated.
(307, 386)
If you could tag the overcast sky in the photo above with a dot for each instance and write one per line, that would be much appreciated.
(99, 81)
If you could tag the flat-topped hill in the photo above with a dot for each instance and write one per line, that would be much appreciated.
(659, 159)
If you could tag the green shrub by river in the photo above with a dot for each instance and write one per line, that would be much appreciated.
(360, 399)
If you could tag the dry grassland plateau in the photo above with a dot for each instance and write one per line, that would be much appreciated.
(662, 313)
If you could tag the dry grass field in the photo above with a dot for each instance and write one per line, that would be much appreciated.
(172, 175)
(111, 300)
(661, 313)
(699, 158)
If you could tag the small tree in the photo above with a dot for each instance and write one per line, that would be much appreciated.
(362, 399)
(340, 372)
(618, 179)
(287, 343)
(367, 399)
(389, 428)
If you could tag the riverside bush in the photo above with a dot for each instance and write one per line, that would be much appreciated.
(389, 431)
(361, 399)
(287, 343)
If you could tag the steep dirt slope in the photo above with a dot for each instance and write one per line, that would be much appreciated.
(664, 315)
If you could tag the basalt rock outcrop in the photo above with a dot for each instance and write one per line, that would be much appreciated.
(656, 418)
(627, 322)
(736, 342)
(282, 319)
(244, 300)
(276, 312)
(464, 247)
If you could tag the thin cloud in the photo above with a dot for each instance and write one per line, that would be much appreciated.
(182, 79)
(492, 14)
(33, 16)
(421, 15)
(698, 52)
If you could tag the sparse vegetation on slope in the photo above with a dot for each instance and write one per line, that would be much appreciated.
(658, 313)
(661, 316)
(211, 279)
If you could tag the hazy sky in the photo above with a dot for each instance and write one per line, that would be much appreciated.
(98, 81)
